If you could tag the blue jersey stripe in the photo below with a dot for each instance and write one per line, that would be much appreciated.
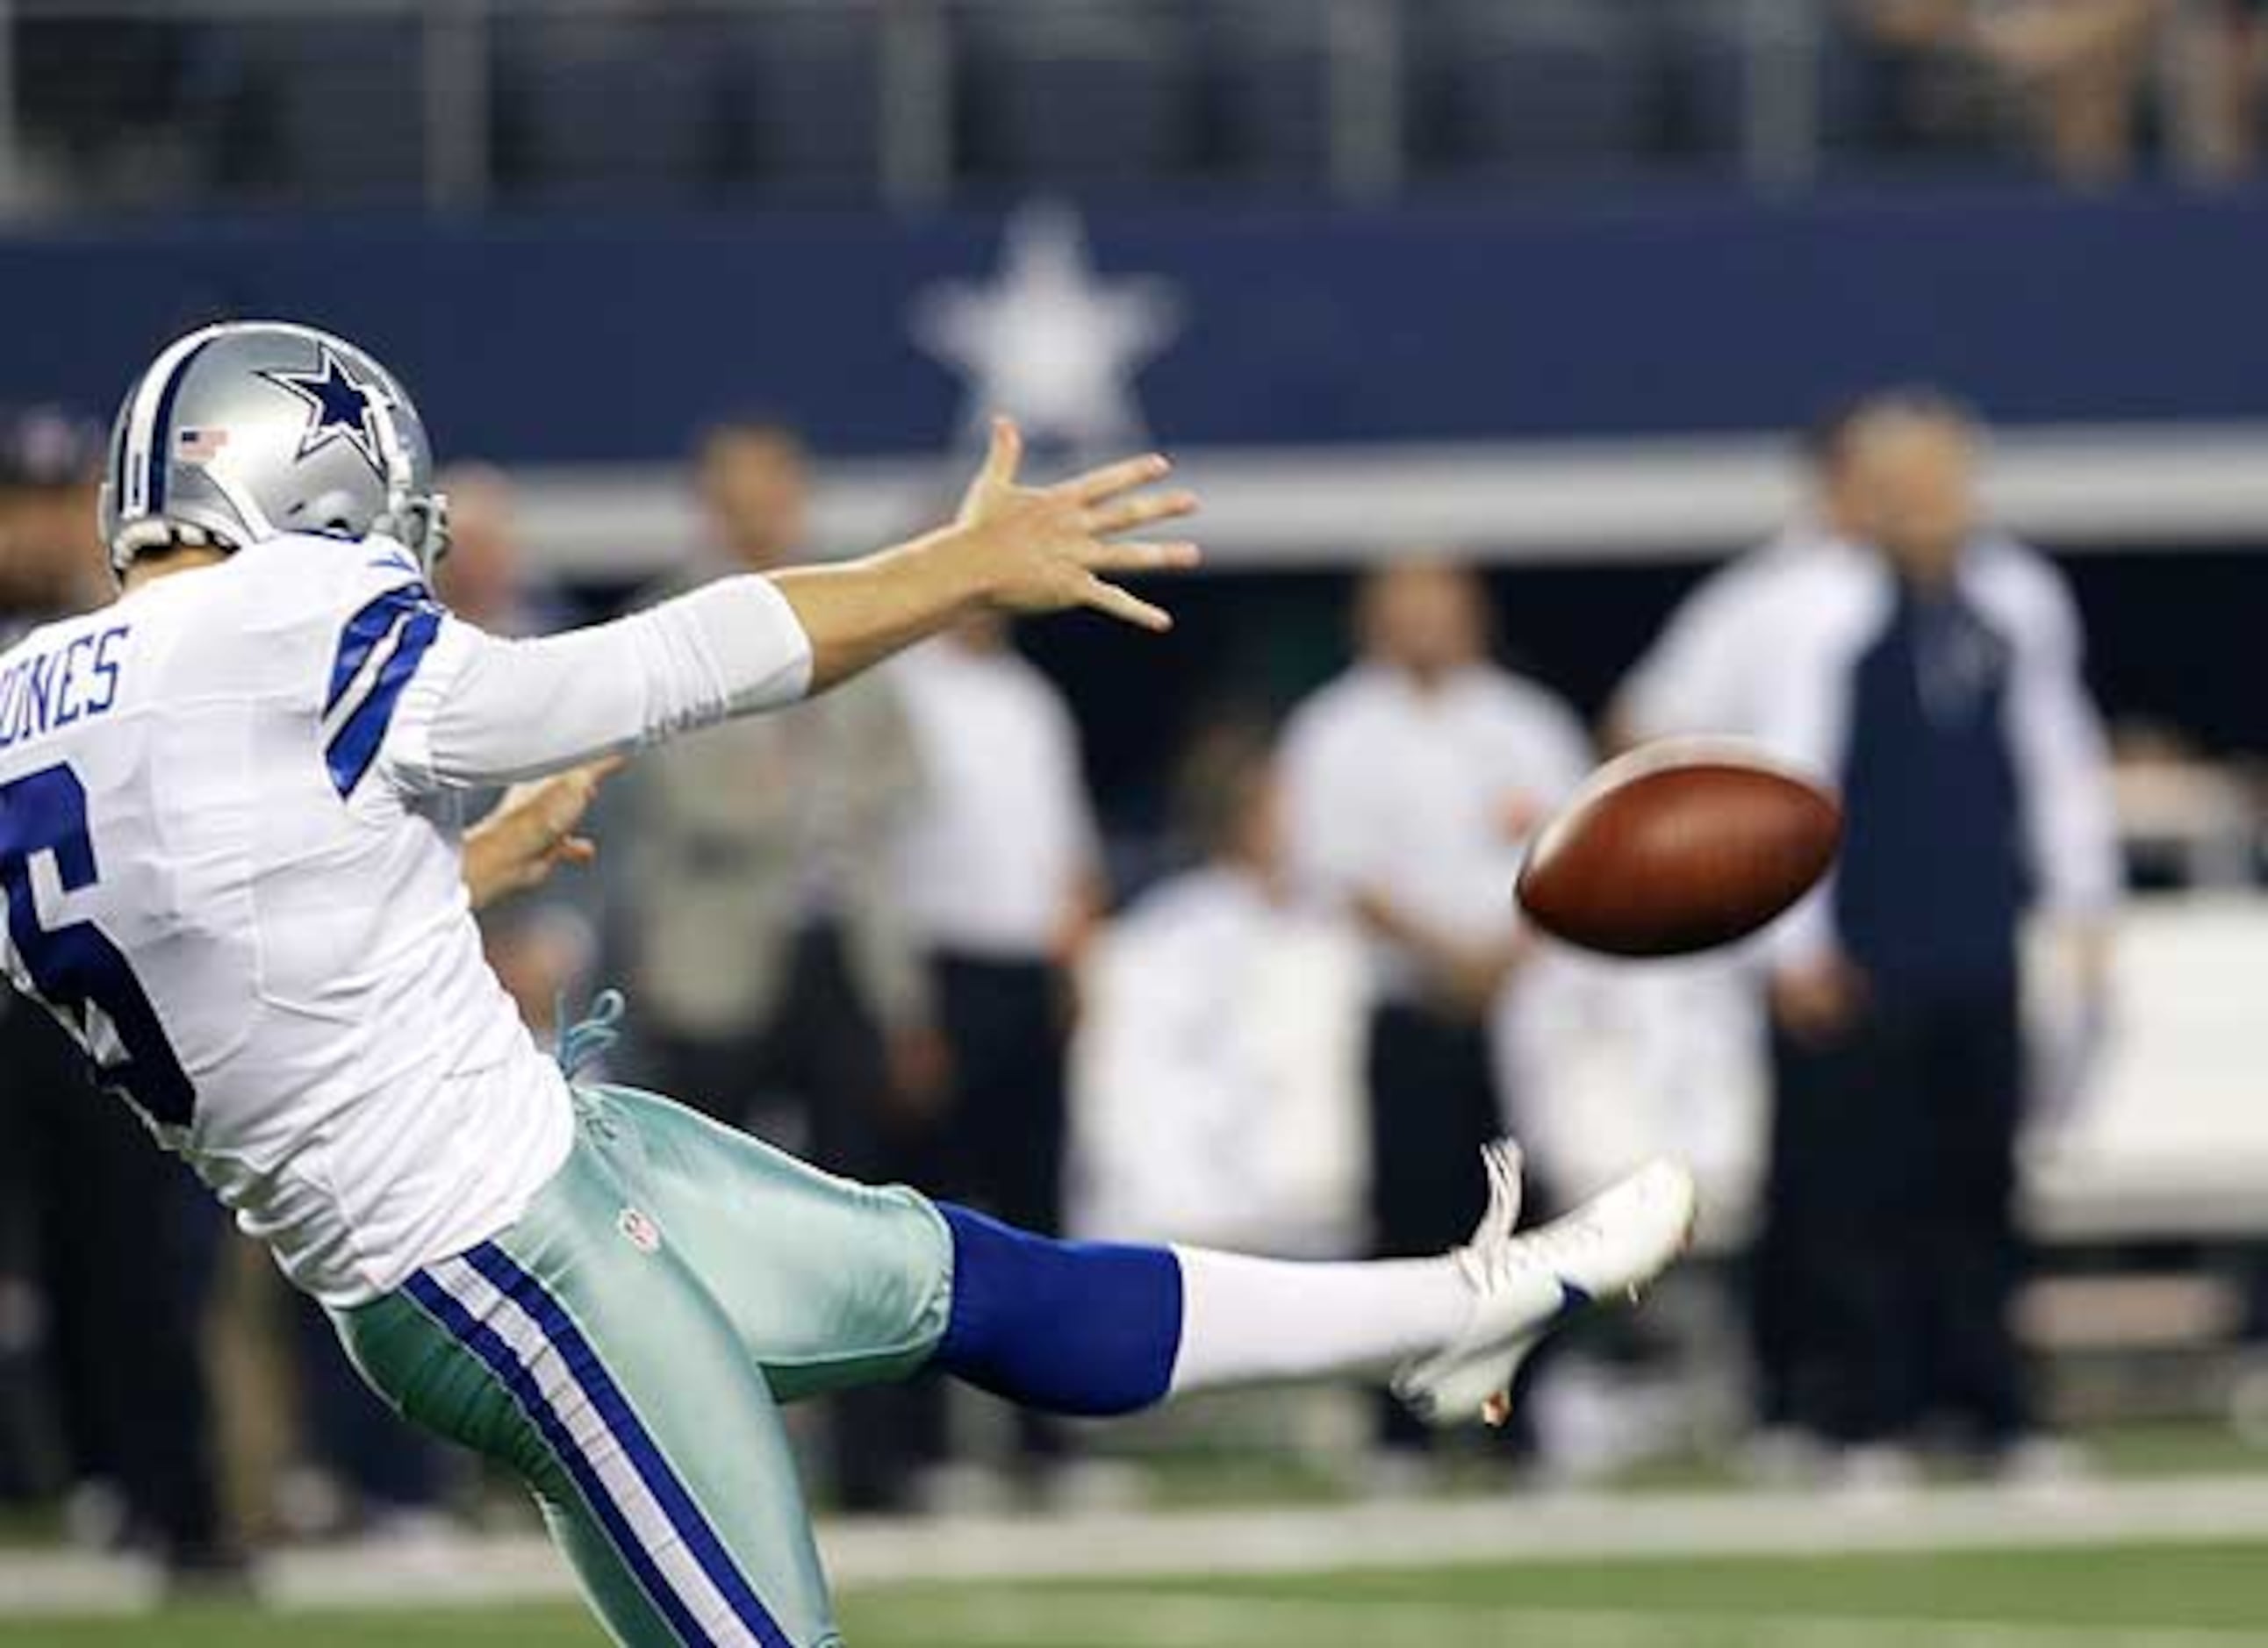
(355, 745)
(161, 431)
(502, 1361)
(701, 1539)
(364, 630)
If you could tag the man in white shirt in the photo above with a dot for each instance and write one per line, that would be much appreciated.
(1938, 676)
(1001, 875)
(1712, 671)
(1705, 672)
(232, 852)
(1415, 780)
(1218, 1074)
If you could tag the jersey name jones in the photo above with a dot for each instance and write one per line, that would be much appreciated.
(42, 691)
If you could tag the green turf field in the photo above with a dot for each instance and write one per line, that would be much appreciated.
(2203, 1596)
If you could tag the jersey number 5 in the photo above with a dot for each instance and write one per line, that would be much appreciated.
(76, 971)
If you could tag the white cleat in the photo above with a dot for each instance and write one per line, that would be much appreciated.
(1613, 1246)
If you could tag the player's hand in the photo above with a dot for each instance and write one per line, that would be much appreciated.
(1471, 979)
(1817, 1002)
(532, 831)
(920, 1074)
(1036, 549)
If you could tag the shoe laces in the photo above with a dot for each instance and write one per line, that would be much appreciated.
(1497, 1252)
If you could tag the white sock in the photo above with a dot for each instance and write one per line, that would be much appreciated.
(1247, 1321)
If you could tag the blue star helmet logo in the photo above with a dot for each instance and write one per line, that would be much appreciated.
(339, 408)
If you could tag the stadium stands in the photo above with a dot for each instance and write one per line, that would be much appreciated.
(852, 102)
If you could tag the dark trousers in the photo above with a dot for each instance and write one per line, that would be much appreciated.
(1003, 1145)
(1432, 1105)
(122, 1243)
(1898, 1158)
(1789, 1262)
(1003, 1021)
(822, 1059)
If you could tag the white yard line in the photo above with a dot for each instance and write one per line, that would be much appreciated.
(1538, 1528)
(1255, 1540)
(1169, 1619)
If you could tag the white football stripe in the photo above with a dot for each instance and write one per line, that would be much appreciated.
(604, 1452)
(365, 679)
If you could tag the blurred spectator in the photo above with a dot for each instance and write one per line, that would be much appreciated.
(779, 977)
(51, 561)
(1706, 673)
(1219, 1067)
(1414, 781)
(122, 1241)
(2219, 58)
(1003, 878)
(2073, 70)
(1937, 674)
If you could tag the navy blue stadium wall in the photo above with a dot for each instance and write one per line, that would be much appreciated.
(551, 341)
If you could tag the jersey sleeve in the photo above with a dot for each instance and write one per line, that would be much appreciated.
(338, 628)
(476, 710)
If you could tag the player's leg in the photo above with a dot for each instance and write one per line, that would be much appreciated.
(1089, 1328)
(834, 1284)
(581, 1351)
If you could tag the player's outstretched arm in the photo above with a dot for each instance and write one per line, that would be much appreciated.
(1012, 548)
(484, 710)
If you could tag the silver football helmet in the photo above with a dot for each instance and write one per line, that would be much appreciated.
(251, 429)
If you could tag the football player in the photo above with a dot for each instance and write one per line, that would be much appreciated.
(232, 868)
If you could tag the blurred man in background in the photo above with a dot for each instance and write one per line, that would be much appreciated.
(121, 1244)
(1220, 1067)
(1938, 677)
(781, 979)
(1704, 673)
(2073, 72)
(1414, 782)
(1712, 671)
(1003, 878)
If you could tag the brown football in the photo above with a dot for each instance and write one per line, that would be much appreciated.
(1680, 845)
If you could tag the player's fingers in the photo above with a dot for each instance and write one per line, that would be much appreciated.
(1142, 557)
(1003, 455)
(578, 850)
(1126, 513)
(596, 773)
(1112, 479)
(1127, 607)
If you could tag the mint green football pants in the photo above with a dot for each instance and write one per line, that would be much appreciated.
(625, 1348)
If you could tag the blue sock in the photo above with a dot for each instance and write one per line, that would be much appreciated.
(1068, 1328)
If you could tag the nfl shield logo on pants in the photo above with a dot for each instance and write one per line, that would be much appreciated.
(639, 1231)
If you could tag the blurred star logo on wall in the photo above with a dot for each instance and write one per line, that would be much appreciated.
(1050, 339)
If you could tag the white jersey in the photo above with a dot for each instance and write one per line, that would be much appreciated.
(229, 847)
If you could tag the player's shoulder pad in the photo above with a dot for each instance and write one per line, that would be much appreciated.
(311, 577)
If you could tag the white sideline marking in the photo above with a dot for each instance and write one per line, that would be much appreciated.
(1259, 1540)
(1551, 1528)
(1168, 1619)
